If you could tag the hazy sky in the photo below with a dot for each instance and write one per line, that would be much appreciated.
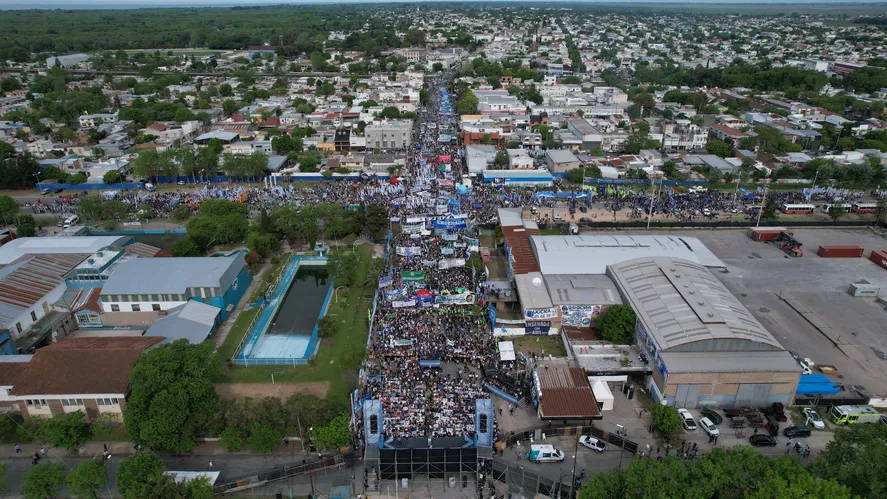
(81, 4)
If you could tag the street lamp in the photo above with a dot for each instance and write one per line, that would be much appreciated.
(761, 209)
(336, 292)
(622, 433)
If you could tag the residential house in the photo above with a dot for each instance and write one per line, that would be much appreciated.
(561, 160)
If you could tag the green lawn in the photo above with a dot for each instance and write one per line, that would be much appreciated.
(551, 231)
(338, 358)
(549, 345)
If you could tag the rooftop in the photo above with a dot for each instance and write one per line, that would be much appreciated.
(591, 254)
(193, 321)
(24, 284)
(562, 156)
(532, 291)
(173, 275)
(566, 394)
(15, 249)
(589, 289)
(683, 303)
(518, 241)
(81, 366)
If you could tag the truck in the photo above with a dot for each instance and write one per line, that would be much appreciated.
(764, 234)
(852, 414)
(840, 251)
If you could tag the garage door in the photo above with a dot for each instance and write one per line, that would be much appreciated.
(753, 394)
(687, 396)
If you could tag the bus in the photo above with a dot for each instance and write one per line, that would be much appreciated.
(798, 209)
(752, 210)
(864, 208)
(851, 414)
(828, 207)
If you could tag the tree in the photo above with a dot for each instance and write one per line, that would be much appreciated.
(8, 209)
(87, 479)
(263, 438)
(112, 177)
(43, 480)
(327, 327)
(835, 212)
(136, 472)
(334, 435)
(468, 103)
(617, 325)
(856, 458)
(66, 430)
(639, 140)
(172, 398)
(229, 107)
(225, 90)
(576, 175)
(846, 144)
(25, 225)
(770, 211)
(233, 439)
(185, 247)
(6, 150)
(501, 161)
(718, 148)
(667, 420)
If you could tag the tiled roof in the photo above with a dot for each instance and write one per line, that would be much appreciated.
(566, 394)
(518, 241)
(82, 366)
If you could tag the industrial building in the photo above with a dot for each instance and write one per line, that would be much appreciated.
(704, 348)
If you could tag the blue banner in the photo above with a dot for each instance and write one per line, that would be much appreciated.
(450, 223)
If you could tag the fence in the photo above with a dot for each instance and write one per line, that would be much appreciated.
(260, 479)
(713, 224)
(613, 439)
(529, 484)
(830, 401)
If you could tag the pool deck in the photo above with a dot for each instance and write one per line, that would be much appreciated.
(262, 348)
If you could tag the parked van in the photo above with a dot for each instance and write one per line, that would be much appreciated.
(545, 454)
(150, 187)
(71, 221)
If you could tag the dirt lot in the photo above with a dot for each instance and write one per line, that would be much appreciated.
(261, 390)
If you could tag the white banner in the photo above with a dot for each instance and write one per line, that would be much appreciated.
(409, 251)
(403, 304)
(450, 263)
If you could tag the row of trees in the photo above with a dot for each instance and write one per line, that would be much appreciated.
(852, 464)
(184, 162)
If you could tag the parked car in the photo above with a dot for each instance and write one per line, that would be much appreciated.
(583, 209)
(813, 418)
(762, 440)
(45, 191)
(713, 416)
(181, 182)
(797, 432)
(709, 427)
(687, 419)
(592, 443)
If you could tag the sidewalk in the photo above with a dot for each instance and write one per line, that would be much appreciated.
(7, 451)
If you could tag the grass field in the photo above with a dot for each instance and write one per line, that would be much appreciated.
(338, 358)
(547, 345)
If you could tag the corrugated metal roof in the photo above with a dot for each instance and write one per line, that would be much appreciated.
(15, 249)
(518, 241)
(27, 282)
(566, 394)
(146, 250)
(590, 254)
(704, 362)
(681, 302)
(193, 321)
(87, 299)
(173, 275)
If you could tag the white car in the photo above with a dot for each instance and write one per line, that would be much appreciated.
(709, 427)
(814, 419)
(687, 418)
(706, 212)
(592, 443)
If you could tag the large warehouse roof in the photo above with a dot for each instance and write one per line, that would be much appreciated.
(683, 303)
(582, 290)
(15, 249)
(592, 254)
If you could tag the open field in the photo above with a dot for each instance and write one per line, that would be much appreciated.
(540, 345)
(338, 358)
(259, 391)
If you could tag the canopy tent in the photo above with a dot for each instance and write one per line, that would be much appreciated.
(506, 350)
(602, 394)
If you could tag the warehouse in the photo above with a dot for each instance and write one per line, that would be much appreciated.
(705, 348)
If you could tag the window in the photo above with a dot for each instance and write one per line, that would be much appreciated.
(374, 424)
(33, 316)
(155, 307)
(115, 308)
(136, 307)
(483, 423)
(72, 402)
(18, 327)
(108, 401)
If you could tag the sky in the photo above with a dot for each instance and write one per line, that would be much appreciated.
(118, 4)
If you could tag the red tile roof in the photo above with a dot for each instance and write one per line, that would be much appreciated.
(29, 283)
(82, 366)
(732, 132)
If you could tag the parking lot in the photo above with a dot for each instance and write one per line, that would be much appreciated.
(759, 274)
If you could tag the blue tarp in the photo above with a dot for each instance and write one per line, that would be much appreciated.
(817, 384)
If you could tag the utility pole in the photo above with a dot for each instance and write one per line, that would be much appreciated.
(622, 434)
(652, 198)
(575, 452)
(761, 210)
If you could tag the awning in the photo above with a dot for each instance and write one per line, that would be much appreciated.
(506, 350)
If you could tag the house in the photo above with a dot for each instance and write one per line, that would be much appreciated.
(92, 120)
(389, 134)
(66, 61)
(729, 135)
(225, 137)
(90, 374)
(260, 50)
(518, 159)
(479, 157)
(561, 160)
(142, 290)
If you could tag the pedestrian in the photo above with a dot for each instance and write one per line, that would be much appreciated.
(18, 448)
(756, 431)
(210, 465)
(788, 446)
(500, 411)
(42, 451)
(37, 456)
(658, 449)
(105, 446)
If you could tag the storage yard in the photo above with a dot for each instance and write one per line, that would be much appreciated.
(787, 294)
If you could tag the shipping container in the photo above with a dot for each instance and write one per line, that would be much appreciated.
(764, 234)
(840, 251)
(863, 289)
(879, 257)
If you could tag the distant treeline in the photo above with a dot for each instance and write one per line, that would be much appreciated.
(879, 20)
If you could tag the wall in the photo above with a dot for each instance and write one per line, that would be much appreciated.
(25, 317)
(110, 319)
(233, 295)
